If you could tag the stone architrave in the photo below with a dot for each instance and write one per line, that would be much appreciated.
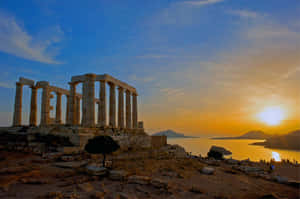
(58, 109)
(134, 111)
(128, 109)
(121, 108)
(112, 105)
(33, 107)
(17, 120)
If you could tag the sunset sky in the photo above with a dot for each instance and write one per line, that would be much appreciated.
(201, 67)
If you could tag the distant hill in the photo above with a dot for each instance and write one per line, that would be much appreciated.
(290, 141)
(171, 134)
(260, 135)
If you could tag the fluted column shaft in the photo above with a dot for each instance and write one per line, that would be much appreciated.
(68, 109)
(45, 110)
(33, 107)
(58, 109)
(112, 105)
(102, 105)
(128, 109)
(17, 120)
(88, 102)
(77, 110)
(121, 108)
(134, 111)
(72, 114)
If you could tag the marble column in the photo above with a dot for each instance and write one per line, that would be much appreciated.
(33, 107)
(17, 120)
(128, 109)
(88, 102)
(72, 116)
(112, 105)
(102, 106)
(77, 110)
(68, 109)
(45, 110)
(134, 111)
(121, 108)
(58, 109)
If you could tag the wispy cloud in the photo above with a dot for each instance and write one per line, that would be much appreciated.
(244, 13)
(202, 2)
(17, 41)
(172, 92)
(6, 85)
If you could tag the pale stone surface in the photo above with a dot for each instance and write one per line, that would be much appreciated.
(17, 121)
(88, 111)
(45, 113)
(208, 170)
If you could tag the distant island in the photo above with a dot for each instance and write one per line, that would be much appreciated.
(290, 141)
(171, 134)
(259, 135)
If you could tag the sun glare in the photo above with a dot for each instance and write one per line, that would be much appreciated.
(272, 115)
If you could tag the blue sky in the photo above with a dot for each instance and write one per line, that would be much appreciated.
(188, 59)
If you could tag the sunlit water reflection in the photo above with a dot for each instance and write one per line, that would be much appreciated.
(240, 149)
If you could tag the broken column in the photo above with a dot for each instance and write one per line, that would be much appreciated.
(17, 120)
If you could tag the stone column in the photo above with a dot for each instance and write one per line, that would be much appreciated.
(72, 114)
(134, 111)
(68, 109)
(112, 105)
(33, 107)
(128, 110)
(58, 109)
(121, 108)
(77, 110)
(88, 108)
(17, 120)
(45, 106)
(102, 106)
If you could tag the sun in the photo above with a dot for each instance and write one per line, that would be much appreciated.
(272, 115)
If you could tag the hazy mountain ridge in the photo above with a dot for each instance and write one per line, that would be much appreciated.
(171, 134)
(249, 135)
(290, 141)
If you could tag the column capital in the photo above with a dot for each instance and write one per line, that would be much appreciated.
(19, 84)
(134, 94)
(120, 88)
(128, 91)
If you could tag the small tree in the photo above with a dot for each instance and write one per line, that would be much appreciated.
(102, 145)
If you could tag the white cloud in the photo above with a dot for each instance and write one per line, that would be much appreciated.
(17, 41)
(174, 92)
(202, 2)
(244, 13)
(6, 85)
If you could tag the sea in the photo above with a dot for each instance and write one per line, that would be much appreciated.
(241, 149)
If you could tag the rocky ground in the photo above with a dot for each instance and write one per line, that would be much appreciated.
(142, 174)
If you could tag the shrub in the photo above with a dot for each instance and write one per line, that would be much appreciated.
(102, 145)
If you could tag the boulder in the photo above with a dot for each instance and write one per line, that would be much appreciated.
(142, 180)
(118, 175)
(159, 183)
(218, 152)
(281, 179)
(208, 170)
(96, 170)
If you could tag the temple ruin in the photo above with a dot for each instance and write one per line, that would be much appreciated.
(127, 120)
